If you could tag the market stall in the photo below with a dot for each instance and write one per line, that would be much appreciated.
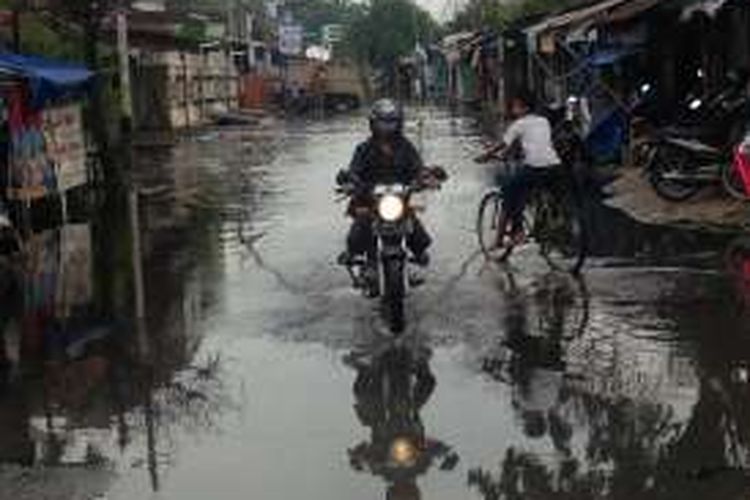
(42, 145)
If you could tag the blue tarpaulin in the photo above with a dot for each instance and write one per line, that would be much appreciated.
(48, 79)
(612, 55)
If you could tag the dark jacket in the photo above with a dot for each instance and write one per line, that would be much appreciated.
(370, 166)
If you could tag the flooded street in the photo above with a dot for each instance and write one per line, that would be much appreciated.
(254, 371)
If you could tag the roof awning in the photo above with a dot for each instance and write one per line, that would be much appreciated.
(631, 9)
(48, 79)
(608, 56)
(709, 7)
(573, 18)
(456, 40)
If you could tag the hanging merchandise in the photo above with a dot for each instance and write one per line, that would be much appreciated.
(32, 175)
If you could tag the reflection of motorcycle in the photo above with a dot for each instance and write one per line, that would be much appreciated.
(384, 272)
(390, 390)
(738, 266)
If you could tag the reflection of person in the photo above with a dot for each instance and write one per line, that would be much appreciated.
(537, 364)
(390, 391)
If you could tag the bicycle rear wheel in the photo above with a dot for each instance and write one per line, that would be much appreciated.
(562, 233)
(489, 231)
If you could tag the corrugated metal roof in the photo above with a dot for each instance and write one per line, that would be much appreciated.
(573, 17)
(710, 7)
(631, 9)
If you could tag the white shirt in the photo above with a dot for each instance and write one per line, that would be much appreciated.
(535, 136)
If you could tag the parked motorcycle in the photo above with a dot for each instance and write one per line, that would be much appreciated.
(698, 152)
(384, 272)
(10, 241)
(737, 178)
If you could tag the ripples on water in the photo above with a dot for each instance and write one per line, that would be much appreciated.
(633, 381)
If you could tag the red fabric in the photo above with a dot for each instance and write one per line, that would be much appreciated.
(742, 164)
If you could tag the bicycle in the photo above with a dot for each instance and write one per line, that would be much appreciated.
(553, 220)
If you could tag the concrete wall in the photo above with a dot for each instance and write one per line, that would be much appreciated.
(174, 90)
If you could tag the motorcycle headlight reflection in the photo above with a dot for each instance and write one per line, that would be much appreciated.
(391, 208)
(403, 452)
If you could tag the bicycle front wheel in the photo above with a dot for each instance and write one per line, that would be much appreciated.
(490, 230)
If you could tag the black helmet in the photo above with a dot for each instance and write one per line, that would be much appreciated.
(386, 118)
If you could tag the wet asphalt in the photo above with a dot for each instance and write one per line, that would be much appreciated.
(632, 381)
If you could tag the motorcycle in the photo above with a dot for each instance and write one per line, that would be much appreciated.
(10, 240)
(737, 178)
(698, 152)
(384, 272)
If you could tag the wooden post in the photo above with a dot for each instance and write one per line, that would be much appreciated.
(123, 56)
(16, 27)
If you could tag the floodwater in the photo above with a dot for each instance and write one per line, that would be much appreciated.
(199, 342)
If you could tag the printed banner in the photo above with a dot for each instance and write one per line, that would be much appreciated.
(63, 127)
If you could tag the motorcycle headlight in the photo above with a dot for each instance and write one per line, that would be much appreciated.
(391, 208)
(403, 452)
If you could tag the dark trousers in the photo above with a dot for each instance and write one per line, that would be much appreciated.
(361, 239)
(517, 189)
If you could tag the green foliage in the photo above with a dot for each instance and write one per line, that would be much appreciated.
(314, 14)
(38, 38)
(385, 30)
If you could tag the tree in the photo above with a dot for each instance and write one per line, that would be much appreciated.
(386, 30)
(478, 14)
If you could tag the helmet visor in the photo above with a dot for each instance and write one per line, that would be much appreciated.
(386, 126)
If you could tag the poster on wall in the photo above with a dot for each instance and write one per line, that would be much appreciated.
(291, 39)
(63, 127)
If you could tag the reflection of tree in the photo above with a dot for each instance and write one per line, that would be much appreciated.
(610, 440)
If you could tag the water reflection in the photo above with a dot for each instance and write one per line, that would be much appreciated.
(611, 412)
(81, 384)
(737, 257)
(392, 386)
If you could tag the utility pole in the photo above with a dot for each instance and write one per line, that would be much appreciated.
(123, 56)
(16, 27)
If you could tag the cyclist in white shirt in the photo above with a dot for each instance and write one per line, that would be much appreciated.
(533, 133)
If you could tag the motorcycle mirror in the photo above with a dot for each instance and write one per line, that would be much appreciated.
(343, 177)
(439, 173)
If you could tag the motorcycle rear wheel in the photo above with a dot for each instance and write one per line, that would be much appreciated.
(733, 183)
(666, 160)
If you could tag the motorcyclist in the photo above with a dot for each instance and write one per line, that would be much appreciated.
(387, 157)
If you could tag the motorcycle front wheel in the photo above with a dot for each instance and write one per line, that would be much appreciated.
(666, 162)
(393, 298)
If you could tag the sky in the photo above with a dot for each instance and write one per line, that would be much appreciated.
(440, 9)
